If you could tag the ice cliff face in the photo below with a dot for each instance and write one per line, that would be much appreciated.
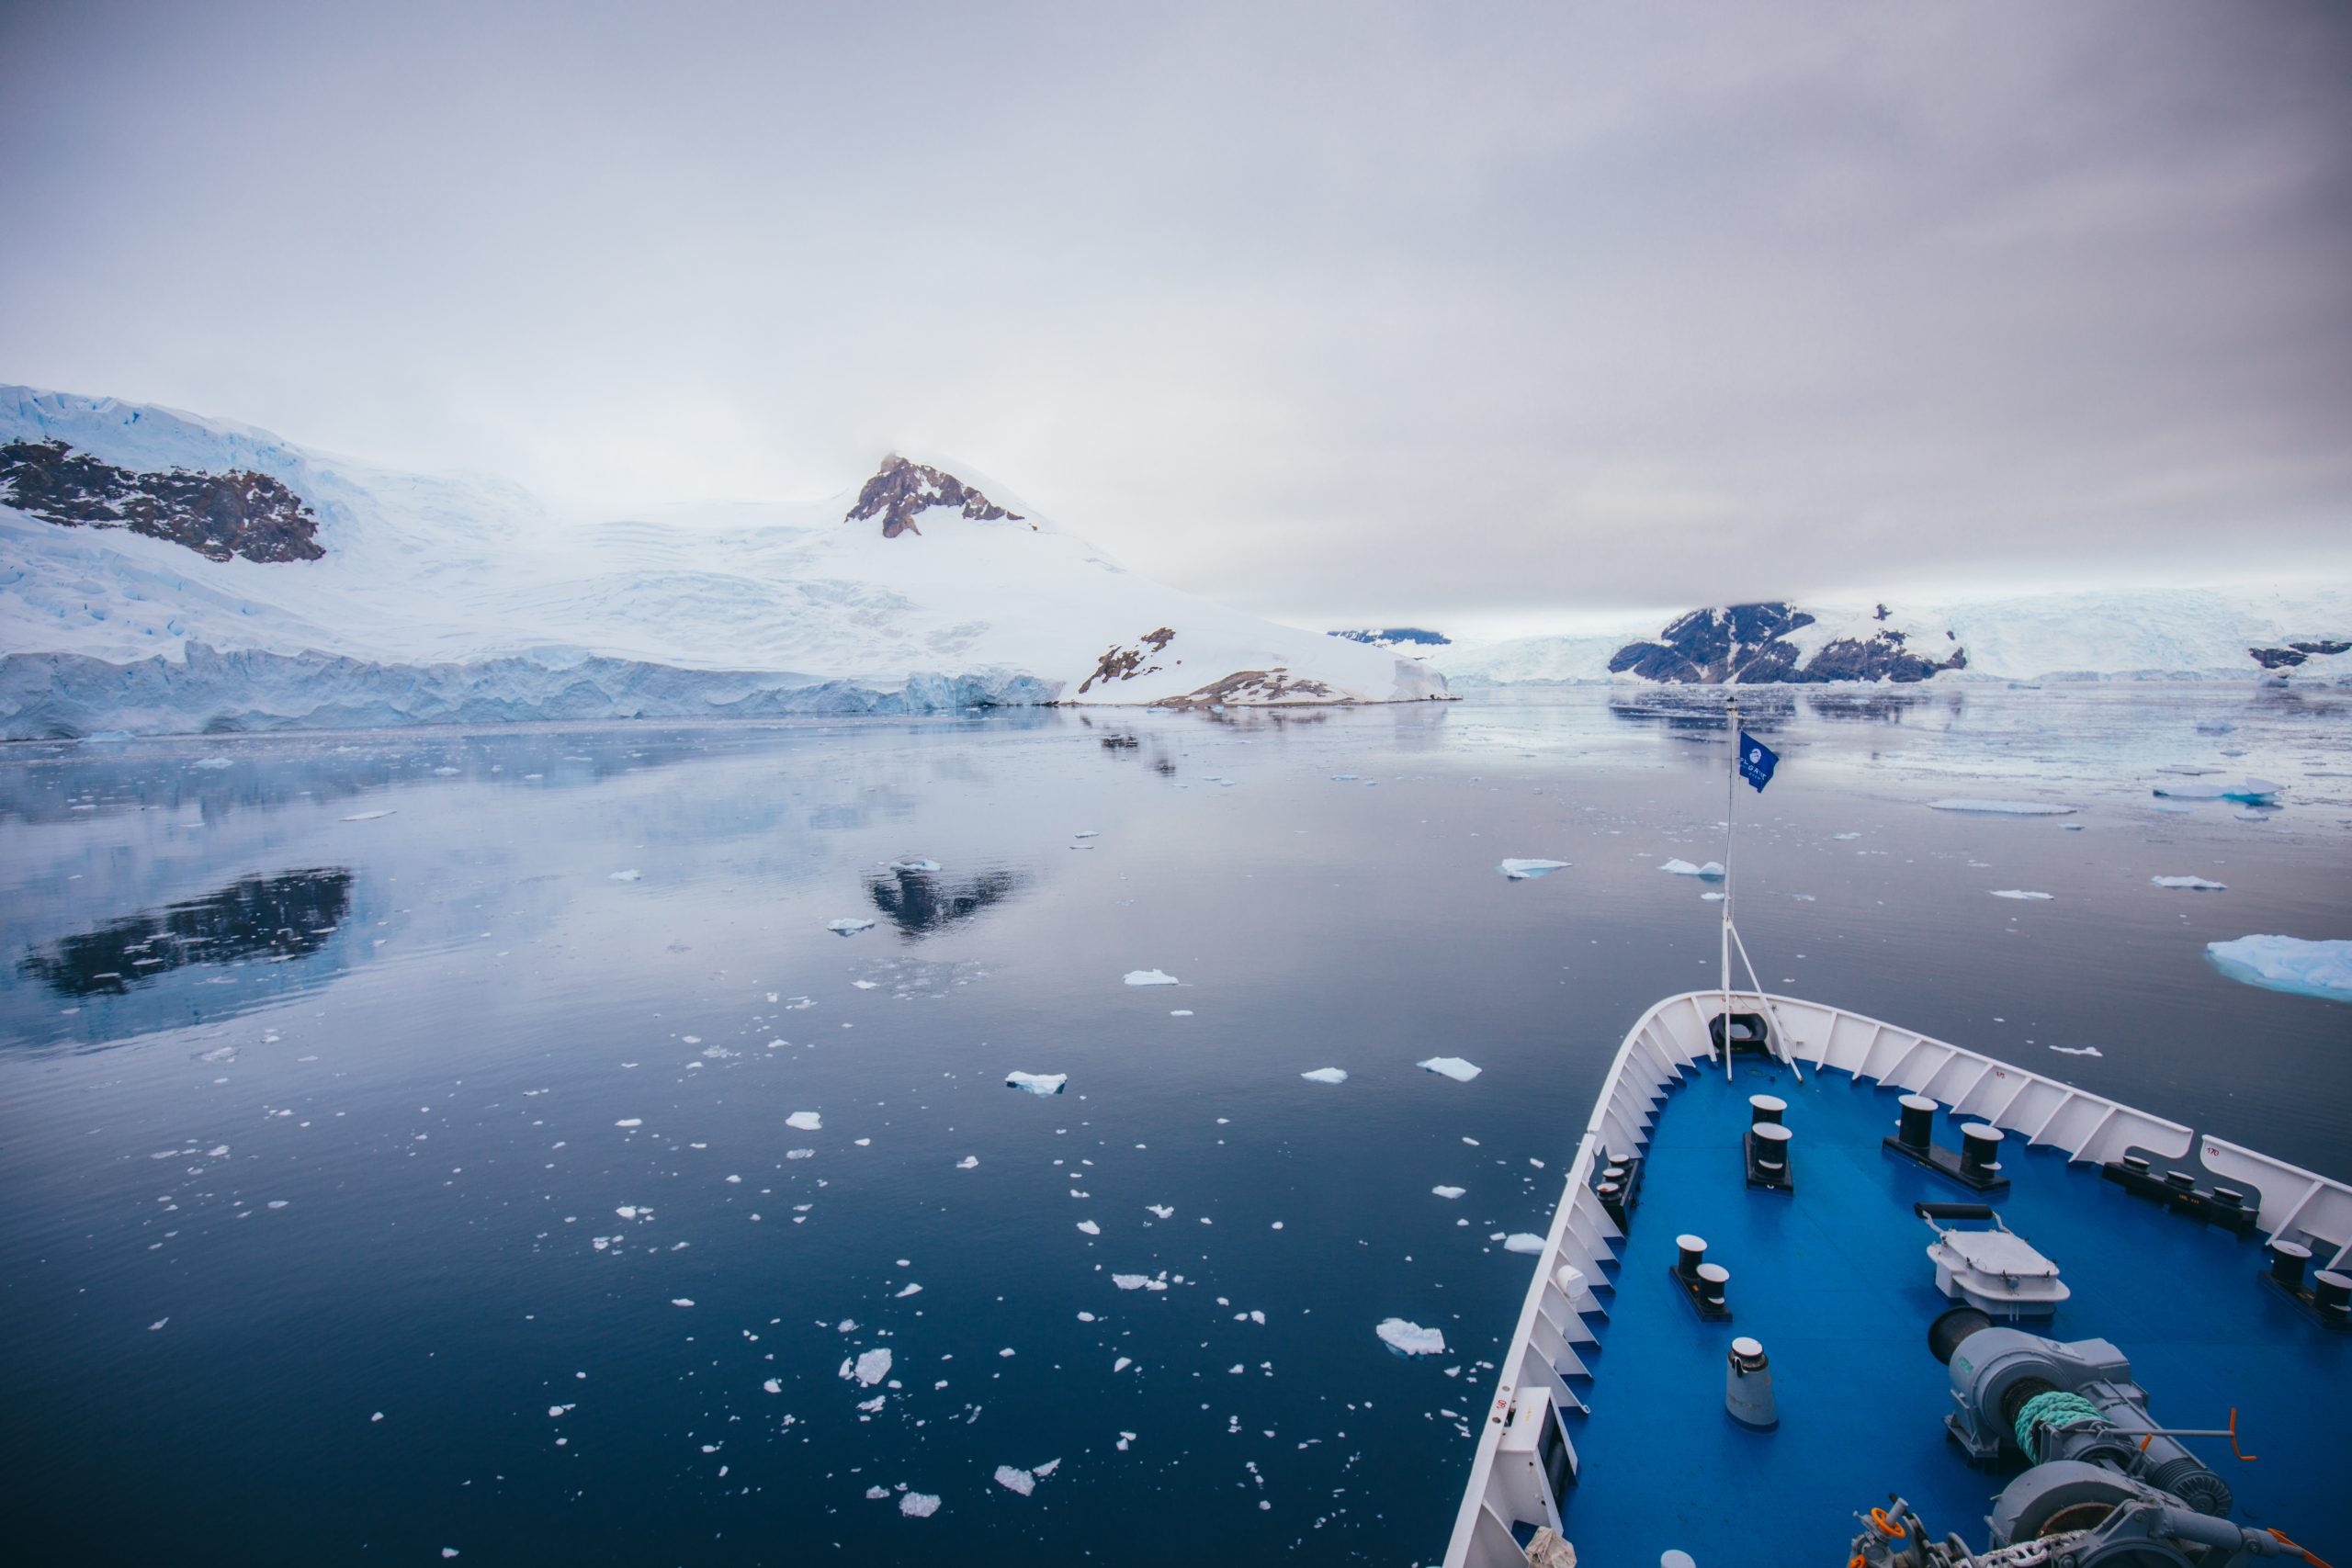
(1754, 644)
(161, 571)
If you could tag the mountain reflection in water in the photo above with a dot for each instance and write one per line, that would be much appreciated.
(278, 918)
(919, 903)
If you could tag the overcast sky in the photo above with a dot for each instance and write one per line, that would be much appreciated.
(1478, 314)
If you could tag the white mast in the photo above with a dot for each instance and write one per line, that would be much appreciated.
(1731, 799)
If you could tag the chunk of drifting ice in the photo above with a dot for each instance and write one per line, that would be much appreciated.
(1151, 977)
(849, 926)
(1011, 1480)
(1712, 871)
(1138, 1282)
(875, 1494)
(1162, 1209)
(210, 762)
(631, 1122)
(1036, 1083)
(2020, 893)
(915, 867)
(2003, 807)
(806, 1120)
(1089, 1227)
(967, 1162)
(2193, 883)
(773, 1385)
(1528, 870)
(1410, 1338)
(626, 876)
(1522, 1241)
(2076, 1050)
(1326, 1075)
(2253, 791)
(868, 1369)
(1449, 1191)
(364, 816)
(2286, 964)
(1083, 833)
(918, 1505)
(1452, 1067)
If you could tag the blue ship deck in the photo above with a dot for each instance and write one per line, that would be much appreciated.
(1835, 1282)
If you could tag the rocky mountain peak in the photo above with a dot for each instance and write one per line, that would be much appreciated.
(902, 490)
(216, 515)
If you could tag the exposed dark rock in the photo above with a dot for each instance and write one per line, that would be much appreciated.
(900, 490)
(1390, 636)
(1748, 643)
(1252, 686)
(2295, 653)
(217, 515)
(1127, 663)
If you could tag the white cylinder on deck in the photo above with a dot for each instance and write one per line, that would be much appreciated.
(1748, 1386)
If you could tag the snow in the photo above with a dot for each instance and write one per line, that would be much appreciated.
(806, 1120)
(2191, 883)
(2196, 633)
(2003, 807)
(447, 596)
(1036, 1083)
(1528, 870)
(2020, 893)
(1151, 977)
(1326, 1075)
(1454, 1067)
(2286, 964)
(1712, 871)
(849, 926)
(1410, 1338)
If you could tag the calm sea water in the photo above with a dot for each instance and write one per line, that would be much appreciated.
(398, 1131)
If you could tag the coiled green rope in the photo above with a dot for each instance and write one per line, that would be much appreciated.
(2053, 1408)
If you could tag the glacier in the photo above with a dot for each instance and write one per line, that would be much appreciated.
(460, 599)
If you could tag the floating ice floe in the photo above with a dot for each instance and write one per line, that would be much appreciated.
(1528, 870)
(868, 1369)
(364, 816)
(631, 1122)
(2253, 791)
(849, 925)
(1020, 1480)
(967, 1162)
(1712, 871)
(1084, 833)
(1326, 1075)
(806, 1120)
(2192, 884)
(2021, 893)
(1522, 1241)
(918, 1505)
(1162, 1209)
(1089, 1227)
(1452, 1067)
(1410, 1338)
(626, 876)
(2286, 964)
(2003, 807)
(915, 867)
(1138, 1282)
(1036, 1083)
(2076, 1050)
(1449, 1191)
(210, 762)
(1151, 977)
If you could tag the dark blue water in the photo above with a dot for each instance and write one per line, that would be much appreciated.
(312, 1126)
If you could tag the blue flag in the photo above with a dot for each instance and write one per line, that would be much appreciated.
(1757, 760)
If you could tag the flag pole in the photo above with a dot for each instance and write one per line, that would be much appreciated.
(1731, 800)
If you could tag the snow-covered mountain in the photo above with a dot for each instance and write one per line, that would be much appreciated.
(2244, 633)
(247, 583)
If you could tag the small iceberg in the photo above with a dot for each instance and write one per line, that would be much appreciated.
(1151, 977)
(868, 1369)
(1326, 1075)
(2250, 791)
(1036, 1083)
(1452, 1067)
(2022, 893)
(1522, 1241)
(1712, 871)
(2003, 807)
(2286, 964)
(849, 925)
(805, 1121)
(1410, 1338)
(1449, 1191)
(1528, 870)
(2191, 883)
(919, 1504)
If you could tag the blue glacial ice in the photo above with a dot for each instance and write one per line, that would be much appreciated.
(1527, 870)
(2286, 964)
